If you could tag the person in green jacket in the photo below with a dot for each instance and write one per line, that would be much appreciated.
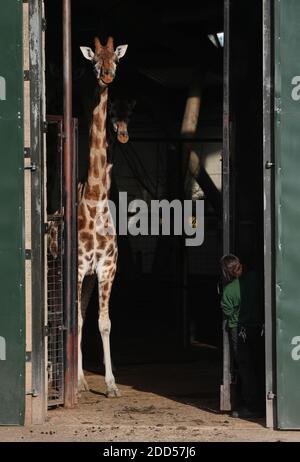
(242, 305)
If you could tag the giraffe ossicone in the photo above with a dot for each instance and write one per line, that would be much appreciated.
(97, 251)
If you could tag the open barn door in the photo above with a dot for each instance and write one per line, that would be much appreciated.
(287, 210)
(12, 245)
(247, 162)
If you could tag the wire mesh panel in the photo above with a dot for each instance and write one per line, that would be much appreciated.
(55, 311)
(56, 349)
(58, 311)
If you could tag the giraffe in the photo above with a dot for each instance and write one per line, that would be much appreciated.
(97, 245)
(119, 111)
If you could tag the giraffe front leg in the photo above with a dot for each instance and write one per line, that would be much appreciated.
(104, 328)
(82, 383)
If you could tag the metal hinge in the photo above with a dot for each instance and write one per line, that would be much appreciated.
(27, 254)
(44, 126)
(271, 395)
(27, 75)
(27, 153)
(32, 393)
(44, 24)
(32, 167)
(46, 331)
(46, 228)
(28, 356)
(269, 164)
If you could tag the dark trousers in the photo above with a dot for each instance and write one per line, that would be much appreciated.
(236, 393)
(250, 359)
(233, 342)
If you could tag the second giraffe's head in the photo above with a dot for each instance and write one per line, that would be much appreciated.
(104, 59)
(120, 111)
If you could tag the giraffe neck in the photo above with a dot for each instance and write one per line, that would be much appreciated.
(97, 178)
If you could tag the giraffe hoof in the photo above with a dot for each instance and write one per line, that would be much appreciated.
(114, 393)
(82, 385)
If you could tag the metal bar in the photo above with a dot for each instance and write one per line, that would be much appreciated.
(188, 129)
(175, 140)
(69, 289)
(268, 210)
(225, 398)
(74, 233)
(39, 405)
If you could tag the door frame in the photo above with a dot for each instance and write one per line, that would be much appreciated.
(268, 164)
(225, 393)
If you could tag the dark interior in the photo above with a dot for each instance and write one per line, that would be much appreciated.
(161, 311)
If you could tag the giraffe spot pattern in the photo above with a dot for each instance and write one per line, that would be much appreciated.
(101, 241)
(96, 169)
(107, 263)
(92, 211)
(92, 192)
(89, 245)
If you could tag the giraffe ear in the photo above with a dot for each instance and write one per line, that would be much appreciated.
(87, 53)
(121, 50)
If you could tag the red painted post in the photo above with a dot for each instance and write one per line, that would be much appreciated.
(70, 238)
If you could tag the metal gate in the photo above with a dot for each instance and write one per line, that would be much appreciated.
(57, 314)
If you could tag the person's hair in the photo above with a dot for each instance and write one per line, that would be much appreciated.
(229, 266)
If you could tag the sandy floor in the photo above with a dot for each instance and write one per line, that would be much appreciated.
(159, 403)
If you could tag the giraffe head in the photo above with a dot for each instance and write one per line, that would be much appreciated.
(120, 112)
(104, 59)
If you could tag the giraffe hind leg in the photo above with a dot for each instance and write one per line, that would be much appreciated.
(86, 294)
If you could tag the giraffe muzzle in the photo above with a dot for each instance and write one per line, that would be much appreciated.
(107, 76)
(123, 137)
(122, 132)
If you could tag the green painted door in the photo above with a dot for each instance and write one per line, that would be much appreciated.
(287, 207)
(12, 304)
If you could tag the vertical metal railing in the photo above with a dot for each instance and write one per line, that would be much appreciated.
(70, 270)
(225, 398)
(268, 81)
